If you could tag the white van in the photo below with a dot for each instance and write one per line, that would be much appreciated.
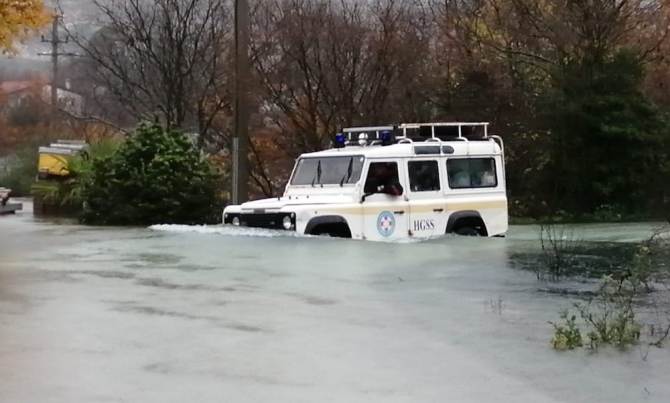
(392, 183)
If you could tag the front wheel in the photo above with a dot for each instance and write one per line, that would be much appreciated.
(467, 231)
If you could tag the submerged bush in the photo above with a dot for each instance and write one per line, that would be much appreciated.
(559, 247)
(612, 321)
(156, 176)
(567, 335)
(611, 315)
(608, 319)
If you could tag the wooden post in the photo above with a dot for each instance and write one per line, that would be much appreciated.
(241, 127)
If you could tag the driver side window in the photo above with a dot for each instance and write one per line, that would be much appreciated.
(383, 178)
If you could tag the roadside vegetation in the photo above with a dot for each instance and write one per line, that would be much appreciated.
(629, 305)
(66, 195)
(155, 176)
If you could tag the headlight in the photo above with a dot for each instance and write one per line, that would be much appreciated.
(236, 221)
(287, 223)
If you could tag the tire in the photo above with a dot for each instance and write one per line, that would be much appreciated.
(332, 230)
(467, 231)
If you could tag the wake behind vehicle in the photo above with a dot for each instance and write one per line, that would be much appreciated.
(414, 180)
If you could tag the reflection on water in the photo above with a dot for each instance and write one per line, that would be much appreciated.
(176, 313)
(585, 259)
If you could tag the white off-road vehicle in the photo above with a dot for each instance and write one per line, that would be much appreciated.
(392, 183)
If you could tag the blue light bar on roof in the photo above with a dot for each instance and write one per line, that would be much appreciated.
(340, 140)
(386, 137)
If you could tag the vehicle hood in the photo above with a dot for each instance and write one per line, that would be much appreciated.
(285, 203)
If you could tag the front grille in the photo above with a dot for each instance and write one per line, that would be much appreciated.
(266, 220)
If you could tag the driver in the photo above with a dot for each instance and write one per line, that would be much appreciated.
(382, 179)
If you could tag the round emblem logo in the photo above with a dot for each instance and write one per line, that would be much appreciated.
(386, 223)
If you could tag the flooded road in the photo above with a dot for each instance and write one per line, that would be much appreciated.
(175, 314)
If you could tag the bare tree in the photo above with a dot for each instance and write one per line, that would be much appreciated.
(326, 64)
(164, 59)
(555, 31)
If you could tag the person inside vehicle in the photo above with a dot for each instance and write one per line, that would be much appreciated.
(383, 178)
(488, 178)
(460, 179)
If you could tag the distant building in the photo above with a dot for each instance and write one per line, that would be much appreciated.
(68, 101)
(15, 94)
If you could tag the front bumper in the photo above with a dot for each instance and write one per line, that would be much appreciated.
(261, 220)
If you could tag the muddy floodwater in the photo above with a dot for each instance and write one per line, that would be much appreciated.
(194, 314)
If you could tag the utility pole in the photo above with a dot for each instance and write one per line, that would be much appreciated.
(55, 42)
(241, 126)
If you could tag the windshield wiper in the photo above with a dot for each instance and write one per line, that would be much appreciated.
(350, 169)
(317, 176)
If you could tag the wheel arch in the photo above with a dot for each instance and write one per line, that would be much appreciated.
(459, 219)
(327, 220)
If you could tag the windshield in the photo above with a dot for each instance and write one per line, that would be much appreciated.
(328, 170)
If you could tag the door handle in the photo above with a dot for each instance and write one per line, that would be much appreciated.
(438, 210)
(401, 212)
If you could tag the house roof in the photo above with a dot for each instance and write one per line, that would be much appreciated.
(10, 87)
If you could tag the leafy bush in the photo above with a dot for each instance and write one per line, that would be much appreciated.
(156, 176)
(567, 335)
(613, 322)
(609, 318)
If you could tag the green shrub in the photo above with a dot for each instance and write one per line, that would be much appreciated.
(567, 335)
(612, 324)
(156, 176)
(81, 170)
(609, 318)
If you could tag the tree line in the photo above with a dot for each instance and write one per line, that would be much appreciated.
(578, 89)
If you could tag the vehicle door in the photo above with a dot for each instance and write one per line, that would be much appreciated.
(427, 204)
(477, 185)
(385, 207)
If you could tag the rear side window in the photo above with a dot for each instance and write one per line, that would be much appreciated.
(424, 176)
(472, 173)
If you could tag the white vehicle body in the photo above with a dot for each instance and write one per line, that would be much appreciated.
(455, 185)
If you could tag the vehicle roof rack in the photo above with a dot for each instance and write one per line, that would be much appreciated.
(444, 131)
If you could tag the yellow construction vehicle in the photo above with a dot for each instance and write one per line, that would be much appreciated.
(54, 160)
